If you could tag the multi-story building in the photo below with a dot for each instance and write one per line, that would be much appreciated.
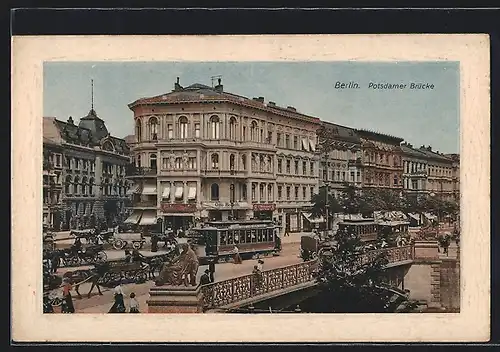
(429, 172)
(52, 182)
(92, 167)
(203, 153)
(415, 164)
(340, 157)
(381, 160)
(441, 171)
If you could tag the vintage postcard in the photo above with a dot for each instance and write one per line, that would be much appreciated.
(334, 186)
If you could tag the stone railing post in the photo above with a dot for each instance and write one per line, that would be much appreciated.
(175, 299)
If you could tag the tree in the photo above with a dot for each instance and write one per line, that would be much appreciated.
(320, 205)
(353, 202)
(349, 284)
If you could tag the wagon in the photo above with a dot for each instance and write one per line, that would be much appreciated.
(115, 272)
(122, 239)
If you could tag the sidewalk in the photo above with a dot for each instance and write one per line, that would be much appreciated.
(294, 237)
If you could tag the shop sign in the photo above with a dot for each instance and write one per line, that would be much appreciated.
(264, 207)
(177, 208)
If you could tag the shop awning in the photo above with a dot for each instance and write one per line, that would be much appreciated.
(312, 220)
(134, 218)
(166, 192)
(414, 216)
(149, 190)
(313, 145)
(192, 193)
(148, 218)
(178, 192)
(133, 190)
(430, 216)
(305, 144)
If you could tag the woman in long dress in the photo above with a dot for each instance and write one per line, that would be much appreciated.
(119, 304)
(68, 300)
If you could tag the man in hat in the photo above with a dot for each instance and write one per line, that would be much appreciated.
(205, 279)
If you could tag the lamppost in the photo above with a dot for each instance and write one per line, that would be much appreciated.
(433, 195)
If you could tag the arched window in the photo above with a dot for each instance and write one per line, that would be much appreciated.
(84, 185)
(214, 191)
(152, 161)
(231, 193)
(183, 127)
(108, 146)
(76, 182)
(244, 162)
(232, 128)
(91, 186)
(253, 132)
(138, 130)
(215, 161)
(231, 162)
(67, 186)
(215, 127)
(153, 128)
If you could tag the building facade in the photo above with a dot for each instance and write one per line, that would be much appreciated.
(382, 165)
(430, 172)
(202, 153)
(52, 174)
(340, 157)
(90, 167)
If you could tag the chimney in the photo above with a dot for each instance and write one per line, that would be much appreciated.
(70, 120)
(177, 86)
(291, 108)
(271, 103)
(260, 99)
(219, 87)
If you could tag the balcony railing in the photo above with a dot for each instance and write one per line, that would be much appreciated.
(223, 173)
(141, 171)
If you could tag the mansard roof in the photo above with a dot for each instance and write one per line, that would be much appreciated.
(339, 132)
(377, 136)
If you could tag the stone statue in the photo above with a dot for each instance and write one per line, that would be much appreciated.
(185, 159)
(182, 270)
(171, 160)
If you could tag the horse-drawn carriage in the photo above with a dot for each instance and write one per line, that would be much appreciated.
(85, 255)
(122, 239)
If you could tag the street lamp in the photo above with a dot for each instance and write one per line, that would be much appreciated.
(433, 195)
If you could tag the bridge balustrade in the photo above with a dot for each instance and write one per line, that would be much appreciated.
(219, 294)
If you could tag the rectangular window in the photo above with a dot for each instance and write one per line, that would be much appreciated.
(278, 139)
(280, 166)
(170, 131)
(77, 164)
(197, 130)
(287, 141)
(296, 192)
(269, 137)
(280, 192)
(261, 192)
(311, 190)
(296, 167)
(164, 163)
(192, 163)
(304, 167)
(243, 191)
(254, 195)
(312, 169)
(295, 142)
(304, 191)
(244, 136)
(58, 160)
(287, 192)
(352, 176)
(343, 175)
(288, 166)
(261, 136)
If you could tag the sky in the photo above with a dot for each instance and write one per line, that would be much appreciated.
(421, 117)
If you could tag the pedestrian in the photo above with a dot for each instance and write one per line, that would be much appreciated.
(128, 256)
(256, 277)
(54, 261)
(236, 256)
(287, 233)
(118, 305)
(134, 304)
(205, 279)
(277, 243)
(68, 300)
(260, 264)
(211, 268)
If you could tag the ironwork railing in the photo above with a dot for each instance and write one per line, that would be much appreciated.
(237, 289)
(222, 293)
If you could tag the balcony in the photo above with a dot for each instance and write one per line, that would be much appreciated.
(133, 171)
(224, 173)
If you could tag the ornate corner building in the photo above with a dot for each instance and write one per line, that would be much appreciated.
(203, 153)
(84, 173)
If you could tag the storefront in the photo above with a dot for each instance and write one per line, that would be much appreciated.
(264, 211)
(178, 216)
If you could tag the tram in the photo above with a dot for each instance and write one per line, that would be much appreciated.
(367, 229)
(217, 239)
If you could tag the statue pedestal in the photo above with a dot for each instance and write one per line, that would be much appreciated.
(175, 299)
